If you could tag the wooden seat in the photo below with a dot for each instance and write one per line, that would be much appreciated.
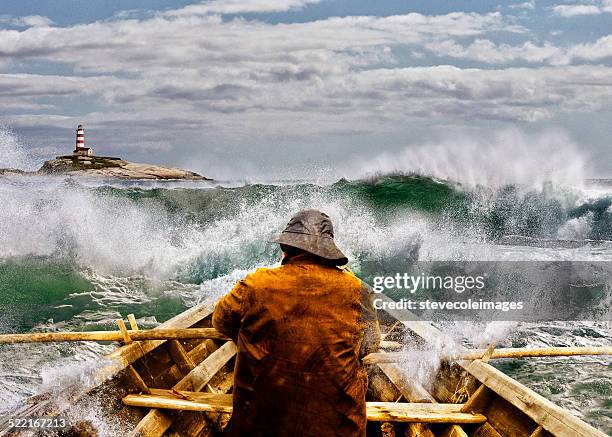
(376, 411)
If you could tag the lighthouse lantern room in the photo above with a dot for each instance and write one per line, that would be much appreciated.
(80, 149)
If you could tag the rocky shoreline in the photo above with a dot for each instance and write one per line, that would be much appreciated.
(108, 167)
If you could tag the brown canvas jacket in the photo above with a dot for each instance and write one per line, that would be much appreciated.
(301, 330)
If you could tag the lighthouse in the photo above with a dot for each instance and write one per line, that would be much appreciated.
(80, 149)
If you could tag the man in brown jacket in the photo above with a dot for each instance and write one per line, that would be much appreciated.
(301, 330)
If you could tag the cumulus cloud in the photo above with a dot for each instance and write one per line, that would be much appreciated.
(131, 45)
(530, 5)
(512, 94)
(240, 6)
(486, 51)
(205, 64)
(573, 10)
(373, 100)
(32, 20)
(38, 85)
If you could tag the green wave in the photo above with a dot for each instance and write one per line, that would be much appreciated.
(507, 210)
(418, 192)
(32, 288)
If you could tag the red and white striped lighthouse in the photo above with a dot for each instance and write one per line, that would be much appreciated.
(80, 137)
(80, 149)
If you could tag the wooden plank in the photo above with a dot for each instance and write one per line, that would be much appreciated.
(124, 334)
(200, 375)
(454, 431)
(197, 401)
(442, 393)
(507, 420)
(538, 432)
(391, 345)
(554, 419)
(179, 356)
(382, 388)
(376, 411)
(490, 354)
(418, 430)
(201, 351)
(124, 356)
(156, 423)
(200, 424)
(134, 377)
(421, 413)
(486, 430)
(174, 374)
(479, 400)
(193, 424)
(133, 323)
(411, 390)
(386, 387)
(155, 365)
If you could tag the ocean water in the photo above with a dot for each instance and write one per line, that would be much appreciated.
(77, 254)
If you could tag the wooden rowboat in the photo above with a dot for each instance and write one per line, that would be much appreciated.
(182, 387)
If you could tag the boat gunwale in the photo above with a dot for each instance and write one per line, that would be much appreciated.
(557, 420)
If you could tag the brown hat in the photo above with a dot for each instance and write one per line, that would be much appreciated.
(312, 231)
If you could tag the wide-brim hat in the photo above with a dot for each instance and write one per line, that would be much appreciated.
(312, 231)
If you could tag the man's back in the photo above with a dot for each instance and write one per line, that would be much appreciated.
(299, 330)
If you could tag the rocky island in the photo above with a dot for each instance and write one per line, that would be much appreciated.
(105, 166)
(83, 162)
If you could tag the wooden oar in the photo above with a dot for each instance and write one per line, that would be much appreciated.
(134, 335)
(475, 354)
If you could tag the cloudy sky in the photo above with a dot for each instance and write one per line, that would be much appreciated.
(289, 88)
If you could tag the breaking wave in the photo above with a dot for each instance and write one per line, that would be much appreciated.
(61, 234)
(495, 159)
(13, 154)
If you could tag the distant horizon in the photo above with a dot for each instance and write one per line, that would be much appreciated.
(313, 88)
